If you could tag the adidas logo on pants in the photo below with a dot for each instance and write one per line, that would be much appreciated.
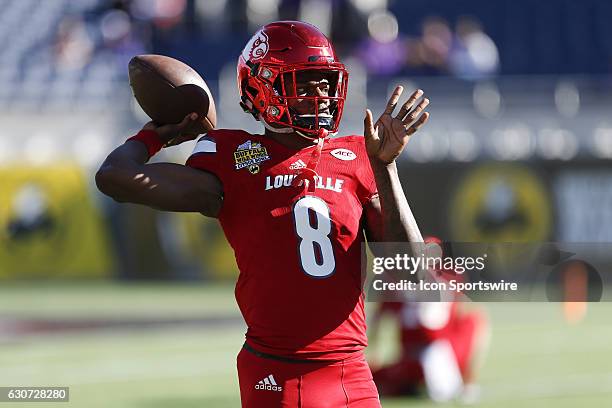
(268, 384)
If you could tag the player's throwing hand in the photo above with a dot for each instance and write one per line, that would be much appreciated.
(386, 138)
(177, 133)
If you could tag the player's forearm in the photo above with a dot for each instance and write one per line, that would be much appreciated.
(126, 177)
(115, 177)
(399, 224)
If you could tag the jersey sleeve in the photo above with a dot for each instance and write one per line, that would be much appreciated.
(367, 189)
(204, 155)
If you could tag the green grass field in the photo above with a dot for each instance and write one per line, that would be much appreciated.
(535, 358)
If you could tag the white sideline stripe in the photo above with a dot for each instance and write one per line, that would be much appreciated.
(205, 146)
(272, 379)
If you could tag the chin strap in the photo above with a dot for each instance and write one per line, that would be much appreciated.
(306, 177)
(275, 129)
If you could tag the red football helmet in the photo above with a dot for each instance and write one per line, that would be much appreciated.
(267, 70)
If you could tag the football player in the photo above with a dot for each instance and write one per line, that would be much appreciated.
(442, 345)
(293, 203)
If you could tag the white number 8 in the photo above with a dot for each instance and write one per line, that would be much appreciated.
(316, 252)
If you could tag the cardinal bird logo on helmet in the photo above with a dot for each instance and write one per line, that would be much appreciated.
(257, 47)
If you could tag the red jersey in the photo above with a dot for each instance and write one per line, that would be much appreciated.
(298, 252)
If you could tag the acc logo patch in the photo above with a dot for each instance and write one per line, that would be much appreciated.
(343, 154)
(250, 154)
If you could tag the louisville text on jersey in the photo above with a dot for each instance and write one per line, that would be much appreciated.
(284, 180)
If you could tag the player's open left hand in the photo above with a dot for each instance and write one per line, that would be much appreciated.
(176, 133)
(386, 138)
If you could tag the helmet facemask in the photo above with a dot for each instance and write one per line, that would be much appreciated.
(303, 97)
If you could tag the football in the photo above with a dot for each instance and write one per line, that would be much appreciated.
(168, 90)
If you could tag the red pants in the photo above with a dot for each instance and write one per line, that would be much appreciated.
(269, 383)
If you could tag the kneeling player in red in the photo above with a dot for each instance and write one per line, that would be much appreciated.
(442, 348)
(442, 345)
(294, 204)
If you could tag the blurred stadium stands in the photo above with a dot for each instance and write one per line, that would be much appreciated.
(514, 82)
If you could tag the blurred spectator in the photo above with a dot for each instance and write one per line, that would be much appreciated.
(168, 21)
(164, 14)
(474, 54)
(341, 20)
(119, 35)
(384, 51)
(261, 12)
(211, 16)
(73, 45)
(429, 55)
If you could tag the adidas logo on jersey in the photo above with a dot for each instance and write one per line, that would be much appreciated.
(297, 165)
(268, 384)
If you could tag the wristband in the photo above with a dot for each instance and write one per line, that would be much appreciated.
(150, 139)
